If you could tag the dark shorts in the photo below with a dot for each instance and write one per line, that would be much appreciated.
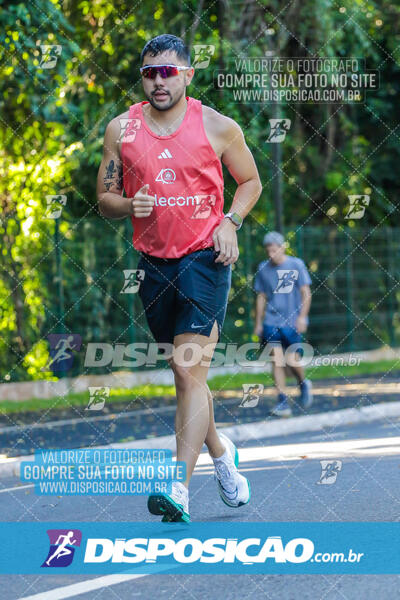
(186, 294)
(286, 336)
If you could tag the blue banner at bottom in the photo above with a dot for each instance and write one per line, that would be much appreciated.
(200, 547)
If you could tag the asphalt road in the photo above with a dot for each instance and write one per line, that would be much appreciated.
(75, 427)
(283, 473)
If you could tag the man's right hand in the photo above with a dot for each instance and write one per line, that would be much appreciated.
(142, 203)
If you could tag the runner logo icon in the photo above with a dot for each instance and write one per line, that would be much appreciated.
(97, 397)
(128, 129)
(251, 394)
(62, 346)
(357, 206)
(287, 279)
(62, 547)
(329, 471)
(204, 206)
(279, 129)
(133, 279)
(55, 204)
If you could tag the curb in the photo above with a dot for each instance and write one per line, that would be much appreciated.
(251, 431)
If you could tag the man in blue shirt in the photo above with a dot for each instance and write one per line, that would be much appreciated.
(283, 301)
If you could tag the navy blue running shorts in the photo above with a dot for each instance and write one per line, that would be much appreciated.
(286, 336)
(186, 294)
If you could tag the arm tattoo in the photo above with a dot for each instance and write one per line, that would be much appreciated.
(120, 178)
(111, 171)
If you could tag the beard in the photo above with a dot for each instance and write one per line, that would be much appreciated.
(166, 105)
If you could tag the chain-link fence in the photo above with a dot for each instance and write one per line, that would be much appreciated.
(354, 271)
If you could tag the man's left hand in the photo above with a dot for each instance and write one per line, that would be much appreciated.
(225, 241)
(301, 324)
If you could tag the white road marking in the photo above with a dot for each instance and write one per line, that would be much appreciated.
(68, 591)
(312, 450)
(18, 487)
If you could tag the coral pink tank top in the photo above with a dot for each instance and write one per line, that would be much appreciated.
(185, 176)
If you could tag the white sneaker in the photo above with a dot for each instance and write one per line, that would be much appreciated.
(233, 488)
(174, 506)
(231, 447)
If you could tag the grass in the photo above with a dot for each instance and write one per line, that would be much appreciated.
(216, 383)
(323, 372)
(82, 398)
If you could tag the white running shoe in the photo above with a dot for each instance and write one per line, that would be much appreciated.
(233, 488)
(174, 506)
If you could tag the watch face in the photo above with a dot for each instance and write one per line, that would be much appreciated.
(237, 219)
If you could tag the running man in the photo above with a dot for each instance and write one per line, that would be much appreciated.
(283, 302)
(169, 163)
(64, 348)
(62, 549)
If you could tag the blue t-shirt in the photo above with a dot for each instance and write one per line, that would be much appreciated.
(281, 284)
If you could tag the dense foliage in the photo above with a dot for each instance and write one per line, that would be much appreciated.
(53, 122)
